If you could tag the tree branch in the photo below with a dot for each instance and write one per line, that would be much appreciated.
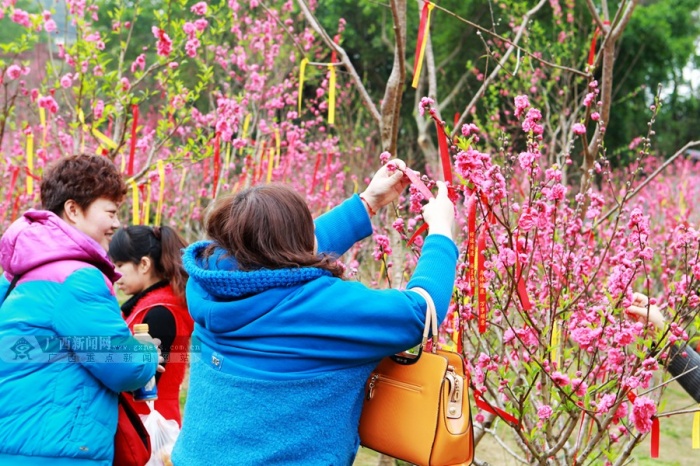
(393, 93)
(344, 59)
(501, 63)
(648, 180)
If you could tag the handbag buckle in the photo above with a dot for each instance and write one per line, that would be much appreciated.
(456, 391)
(371, 385)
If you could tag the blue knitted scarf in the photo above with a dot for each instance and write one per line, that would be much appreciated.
(219, 276)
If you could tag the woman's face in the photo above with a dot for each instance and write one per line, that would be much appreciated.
(133, 279)
(99, 221)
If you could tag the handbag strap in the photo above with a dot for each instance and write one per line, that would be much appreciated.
(13, 283)
(431, 323)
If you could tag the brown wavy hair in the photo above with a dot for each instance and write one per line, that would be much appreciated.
(268, 226)
(82, 178)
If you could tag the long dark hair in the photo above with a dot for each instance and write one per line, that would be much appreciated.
(268, 226)
(162, 244)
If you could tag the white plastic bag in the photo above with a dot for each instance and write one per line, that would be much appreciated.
(163, 434)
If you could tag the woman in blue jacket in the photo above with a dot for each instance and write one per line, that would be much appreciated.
(65, 351)
(287, 344)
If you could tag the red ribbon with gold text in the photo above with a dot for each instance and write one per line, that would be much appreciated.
(482, 309)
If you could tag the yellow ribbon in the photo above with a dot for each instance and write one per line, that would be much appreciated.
(227, 158)
(136, 218)
(95, 132)
(182, 178)
(161, 192)
(147, 204)
(30, 163)
(355, 187)
(269, 165)
(696, 430)
(246, 125)
(426, 33)
(42, 120)
(302, 68)
(331, 96)
(556, 337)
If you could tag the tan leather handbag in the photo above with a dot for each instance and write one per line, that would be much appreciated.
(417, 407)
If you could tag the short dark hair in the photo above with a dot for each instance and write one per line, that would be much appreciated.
(82, 178)
(268, 226)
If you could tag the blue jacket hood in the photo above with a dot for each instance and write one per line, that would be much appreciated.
(227, 298)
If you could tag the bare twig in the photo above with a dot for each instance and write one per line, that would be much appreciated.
(668, 162)
(344, 59)
(501, 63)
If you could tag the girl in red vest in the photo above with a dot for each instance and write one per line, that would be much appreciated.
(149, 259)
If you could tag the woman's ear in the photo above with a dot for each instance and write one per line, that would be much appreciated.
(71, 212)
(145, 265)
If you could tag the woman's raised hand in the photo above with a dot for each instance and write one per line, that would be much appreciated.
(439, 213)
(641, 310)
(386, 185)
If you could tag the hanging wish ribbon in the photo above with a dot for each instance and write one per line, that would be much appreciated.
(302, 70)
(30, 163)
(136, 218)
(471, 245)
(457, 331)
(655, 437)
(44, 128)
(556, 339)
(147, 205)
(95, 132)
(269, 165)
(696, 430)
(423, 189)
(132, 145)
(423, 32)
(331, 95)
(444, 148)
(522, 288)
(482, 309)
(161, 191)
(482, 404)
(591, 52)
(313, 177)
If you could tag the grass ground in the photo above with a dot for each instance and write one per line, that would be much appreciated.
(675, 445)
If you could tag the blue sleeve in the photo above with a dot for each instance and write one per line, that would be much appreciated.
(90, 310)
(4, 285)
(435, 271)
(367, 324)
(341, 227)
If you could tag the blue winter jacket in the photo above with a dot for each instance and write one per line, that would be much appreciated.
(280, 357)
(65, 350)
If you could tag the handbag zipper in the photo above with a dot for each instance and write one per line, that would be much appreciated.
(396, 383)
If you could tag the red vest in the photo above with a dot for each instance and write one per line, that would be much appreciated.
(168, 402)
